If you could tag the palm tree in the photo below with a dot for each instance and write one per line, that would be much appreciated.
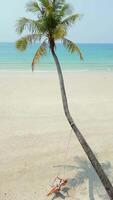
(51, 24)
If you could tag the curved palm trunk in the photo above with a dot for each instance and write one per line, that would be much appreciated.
(104, 179)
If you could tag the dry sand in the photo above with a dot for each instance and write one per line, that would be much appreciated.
(34, 133)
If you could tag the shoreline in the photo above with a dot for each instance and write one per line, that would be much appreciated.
(53, 71)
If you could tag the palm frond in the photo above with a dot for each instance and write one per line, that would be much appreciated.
(45, 3)
(33, 6)
(72, 47)
(40, 52)
(58, 5)
(59, 32)
(23, 42)
(25, 23)
(65, 9)
(71, 19)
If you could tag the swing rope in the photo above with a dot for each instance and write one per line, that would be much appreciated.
(65, 156)
(63, 166)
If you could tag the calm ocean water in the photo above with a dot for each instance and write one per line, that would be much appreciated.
(96, 57)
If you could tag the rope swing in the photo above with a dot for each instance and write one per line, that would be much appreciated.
(58, 182)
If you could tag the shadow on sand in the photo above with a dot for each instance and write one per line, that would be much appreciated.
(63, 194)
(84, 171)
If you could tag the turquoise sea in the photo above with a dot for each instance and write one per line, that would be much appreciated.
(96, 57)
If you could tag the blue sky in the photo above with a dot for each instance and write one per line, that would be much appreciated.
(96, 25)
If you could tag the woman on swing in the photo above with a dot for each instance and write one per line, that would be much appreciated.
(57, 185)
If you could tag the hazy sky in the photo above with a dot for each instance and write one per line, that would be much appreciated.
(96, 24)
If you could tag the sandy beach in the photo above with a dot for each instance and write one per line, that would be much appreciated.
(34, 133)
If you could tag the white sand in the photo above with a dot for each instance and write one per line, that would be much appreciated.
(34, 132)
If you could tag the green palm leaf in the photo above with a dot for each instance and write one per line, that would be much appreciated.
(71, 19)
(26, 24)
(59, 5)
(33, 7)
(64, 9)
(59, 32)
(45, 3)
(72, 47)
(40, 52)
(22, 43)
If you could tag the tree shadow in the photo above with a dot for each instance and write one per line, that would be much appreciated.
(63, 194)
(84, 171)
(57, 195)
